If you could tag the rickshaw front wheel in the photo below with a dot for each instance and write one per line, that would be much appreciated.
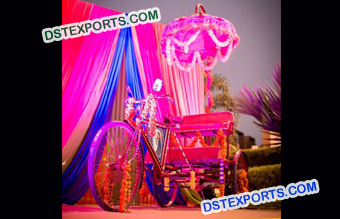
(111, 148)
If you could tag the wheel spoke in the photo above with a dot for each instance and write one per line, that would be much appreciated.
(115, 143)
(111, 149)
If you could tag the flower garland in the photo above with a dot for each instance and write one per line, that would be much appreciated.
(173, 142)
(145, 109)
(129, 106)
(152, 118)
(222, 187)
(125, 190)
(221, 138)
(219, 43)
(172, 57)
(196, 57)
(197, 137)
(149, 108)
(108, 186)
(210, 97)
(187, 43)
(242, 181)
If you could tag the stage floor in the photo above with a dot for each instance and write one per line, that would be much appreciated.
(150, 212)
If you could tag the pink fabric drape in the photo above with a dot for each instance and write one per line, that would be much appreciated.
(73, 11)
(148, 64)
(84, 122)
(85, 85)
(118, 112)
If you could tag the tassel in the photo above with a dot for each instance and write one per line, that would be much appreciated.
(166, 184)
(192, 180)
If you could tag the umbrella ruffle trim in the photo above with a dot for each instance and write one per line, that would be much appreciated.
(171, 56)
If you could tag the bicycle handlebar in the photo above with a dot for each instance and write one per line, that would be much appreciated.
(163, 96)
(166, 96)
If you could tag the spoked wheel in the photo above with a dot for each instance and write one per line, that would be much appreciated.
(108, 153)
(164, 198)
(240, 175)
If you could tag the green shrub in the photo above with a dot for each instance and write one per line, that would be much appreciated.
(264, 176)
(261, 156)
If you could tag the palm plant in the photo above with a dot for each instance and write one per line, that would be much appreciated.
(264, 104)
(223, 100)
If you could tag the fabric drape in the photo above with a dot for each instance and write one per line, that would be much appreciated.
(149, 60)
(85, 85)
(75, 181)
(80, 130)
(73, 11)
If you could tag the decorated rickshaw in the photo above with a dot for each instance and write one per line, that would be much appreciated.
(122, 152)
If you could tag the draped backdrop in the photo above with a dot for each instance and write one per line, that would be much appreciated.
(96, 69)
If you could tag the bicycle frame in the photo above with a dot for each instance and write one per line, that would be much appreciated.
(160, 165)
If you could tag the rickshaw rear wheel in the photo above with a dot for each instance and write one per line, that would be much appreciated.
(162, 197)
(239, 165)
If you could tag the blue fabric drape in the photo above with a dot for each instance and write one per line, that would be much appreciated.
(74, 179)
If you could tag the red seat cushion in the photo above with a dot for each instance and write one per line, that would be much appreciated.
(208, 124)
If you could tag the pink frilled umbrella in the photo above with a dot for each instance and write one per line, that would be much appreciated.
(198, 37)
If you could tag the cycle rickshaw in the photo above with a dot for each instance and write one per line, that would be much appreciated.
(117, 160)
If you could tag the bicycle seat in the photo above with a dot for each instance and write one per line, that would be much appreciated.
(174, 119)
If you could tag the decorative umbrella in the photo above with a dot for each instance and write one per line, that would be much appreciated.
(201, 38)
(198, 37)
